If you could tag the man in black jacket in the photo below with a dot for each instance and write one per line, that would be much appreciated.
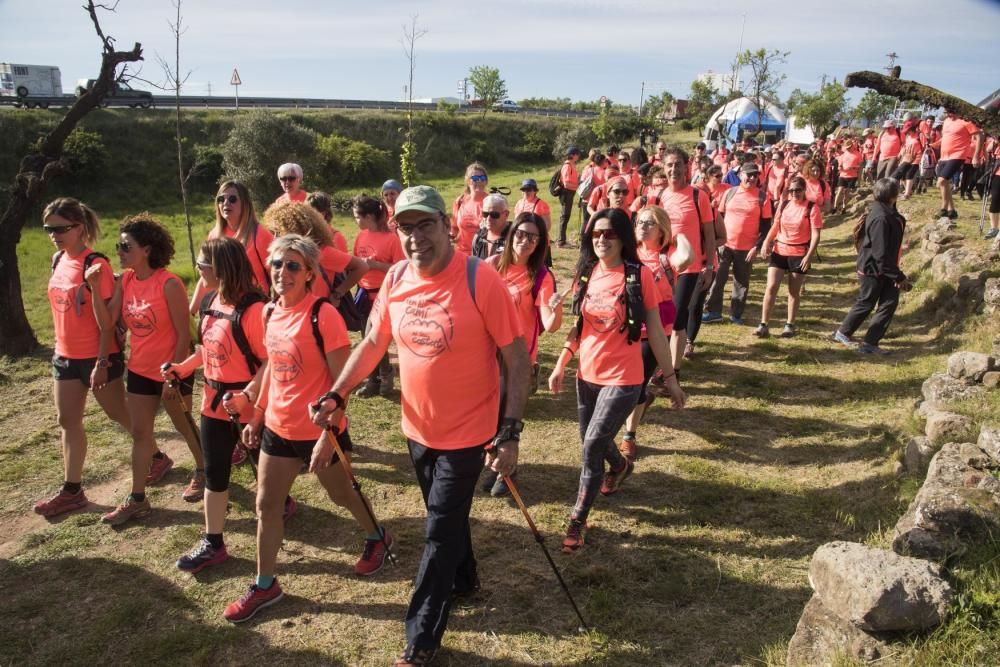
(878, 269)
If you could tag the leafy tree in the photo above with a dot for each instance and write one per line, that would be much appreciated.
(765, 79)
(656, 104)
(703, 100)
(490, 88)
(873, 107)
(820, 112)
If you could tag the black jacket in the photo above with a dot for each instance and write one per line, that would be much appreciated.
(880, 247)
(481, 247)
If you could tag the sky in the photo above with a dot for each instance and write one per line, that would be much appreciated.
(581, 50)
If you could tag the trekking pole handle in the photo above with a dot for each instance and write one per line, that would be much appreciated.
(163, 369)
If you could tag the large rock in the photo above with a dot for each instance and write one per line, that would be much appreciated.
(943, 387)
(878, 590)
(971, 290)
(945, 513)
(941, 226)
(989, 442)
(991, 295)
(823, 638)
(991, 380)
(945, 427)
(949, 265)
(970, 366)
(925, 408)
(918, 454)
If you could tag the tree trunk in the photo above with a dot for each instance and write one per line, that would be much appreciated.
(988, 121)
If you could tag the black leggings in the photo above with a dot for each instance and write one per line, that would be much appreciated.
(648, 368)
(684, 295)
(218, 439)
(995, 194)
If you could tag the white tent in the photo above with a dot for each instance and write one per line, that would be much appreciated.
(731, 119)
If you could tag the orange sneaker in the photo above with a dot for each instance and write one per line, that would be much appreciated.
(60, 503)
(575, 533)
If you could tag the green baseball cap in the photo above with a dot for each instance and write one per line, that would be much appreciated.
(420, 198)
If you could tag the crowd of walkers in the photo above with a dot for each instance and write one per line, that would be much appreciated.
(463, 291)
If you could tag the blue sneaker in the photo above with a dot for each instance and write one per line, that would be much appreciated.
(842, 338)
(710, 318)
(737, 320)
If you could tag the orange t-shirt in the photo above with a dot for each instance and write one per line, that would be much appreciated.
(297, 370)
(448, 372)
(519, 285)
(339, 240)
(956, 138)
(606, 357)
(539, 207)
(257, 250)
(466, 215)
(378, 246)
(817, 191)
(741, 214)
(889, 145)
(651, 260)
(332, 261)
(569, 176)
(794, 231)
(683, 214)
(221, 357)
(153, 338)
(77, 334)
(850, 163)
(299, 196)
(776, 181)
(868, 148)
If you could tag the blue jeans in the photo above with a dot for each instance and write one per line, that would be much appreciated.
(602, 411)
(447, 479)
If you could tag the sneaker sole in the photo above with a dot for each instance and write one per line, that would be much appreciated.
(62, 510)
(199, 568)
(194, 498)
(262, 605)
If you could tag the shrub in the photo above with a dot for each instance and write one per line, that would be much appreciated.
(206, 166)
(84, 155)
(343, 161)
(258, 144)
(578, 134)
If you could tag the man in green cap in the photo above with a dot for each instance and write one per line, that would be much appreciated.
(448, 315)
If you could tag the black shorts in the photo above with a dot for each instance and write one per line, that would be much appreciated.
(789, 263)
(144, 386)
(273, 444)
(947, 169)
(80, 369)
(849, 183)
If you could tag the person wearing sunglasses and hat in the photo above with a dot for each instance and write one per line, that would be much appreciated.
(449, 317)
(87, 355)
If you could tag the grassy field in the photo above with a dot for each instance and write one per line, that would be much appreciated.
(701, 559)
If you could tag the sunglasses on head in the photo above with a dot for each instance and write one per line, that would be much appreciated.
(287, 178)
(521, 235)
(290, 264)
(232, 199)
(123, 246)
(606, 234)
(492, 215)
(478, 178)
(202, 264)
(58, 229)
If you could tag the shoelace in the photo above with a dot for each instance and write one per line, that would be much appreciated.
(574, 530)
(369, 549)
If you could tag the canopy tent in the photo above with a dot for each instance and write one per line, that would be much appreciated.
(750, 120)
(740, 115)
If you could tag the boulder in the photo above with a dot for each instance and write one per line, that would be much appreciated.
(991, 379)
(989, 442)
(944, 512)
(970, 366)
(823, 638)
(943, 387)
(918, 454)
(991, 295)
(941, 226)
(945, 427)
(948, 266)
(974, 457)
(925, 408)
(878, 590)
(971, 290)
(943, 236)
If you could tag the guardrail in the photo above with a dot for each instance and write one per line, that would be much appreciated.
(214, 102)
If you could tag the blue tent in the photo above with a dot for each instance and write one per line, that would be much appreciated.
(749, 122)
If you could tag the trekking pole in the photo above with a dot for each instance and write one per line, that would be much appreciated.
(234, 419)
(173, 384)
(541, 542)
(331, 435)
(986, 196)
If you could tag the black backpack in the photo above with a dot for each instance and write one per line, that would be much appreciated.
(555, 183)
(236, 317)
(348, 309)
(87, 261)
(313, 319)
(480, 247)
(635, 312)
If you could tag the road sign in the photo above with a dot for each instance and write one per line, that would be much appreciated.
(604, 100)
(235, 81)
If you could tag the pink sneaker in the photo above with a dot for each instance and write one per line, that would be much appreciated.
(158, 468)
(252, 601)
(60, 503)
(373, 557)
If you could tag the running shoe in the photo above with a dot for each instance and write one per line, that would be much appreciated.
(239, 455)
(761, 331)
(489, 479)
(202, 556)
(868, 348)
(373, 557)
(575, 534)
(788, 331)
(369, 389)
(60, 503)
(500, 489)
(992, 234)
(943, 213)
(613, 478)
(953, 214)
(737, 320)
(465, 587)
(158, 468)
(628, 448)
(415, 657)
(195, 490)
(128, 510)
(291, 507)
(843, 339)
(252, 601)
(709, 318)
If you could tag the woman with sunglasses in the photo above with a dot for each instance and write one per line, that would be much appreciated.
(614, 193)
(290, 179)
(235, 218)
(302, 361)
(380, 248)
(87, 355)
(467, 211)
(152, 303)
(232, 350)
(610, 370)
(794, 237)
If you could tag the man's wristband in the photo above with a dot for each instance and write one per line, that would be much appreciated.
(335, 397)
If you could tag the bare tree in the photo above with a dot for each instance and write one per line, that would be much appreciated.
(408, 154)
(174, 82)
(37, 168)
(764, 78)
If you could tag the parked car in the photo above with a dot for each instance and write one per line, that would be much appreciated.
(507, 106)
(120, 91)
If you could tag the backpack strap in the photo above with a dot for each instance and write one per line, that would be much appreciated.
(314, 319)
(635, 314)
(56, 258)
(471, 269)
(697, 207)
(206, 302)
(84, 287)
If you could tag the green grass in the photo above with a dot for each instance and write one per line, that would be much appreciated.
(701, 559)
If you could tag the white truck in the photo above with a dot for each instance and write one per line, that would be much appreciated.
(28, 81)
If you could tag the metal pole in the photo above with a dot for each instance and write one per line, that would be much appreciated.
(641, 96)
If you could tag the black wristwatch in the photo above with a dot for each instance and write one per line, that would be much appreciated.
(510, 429)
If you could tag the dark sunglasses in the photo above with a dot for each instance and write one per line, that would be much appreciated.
(290, 264)
(123, 246)
(232, 199)
(619, 191)
(58, 229)
(794, 190)
(521, 235)
(492, 215)
(478, 178)
(752, 175)
(288, 178)
(606, 234)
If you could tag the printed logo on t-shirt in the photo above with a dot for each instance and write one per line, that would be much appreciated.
(284, 357)
(604, 309)
(515, 293)
(61, 298)
(217, 345)
(139, 318)
(365, 251)
(426, 328)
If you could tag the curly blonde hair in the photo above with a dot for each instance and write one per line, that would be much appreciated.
(298, 218)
